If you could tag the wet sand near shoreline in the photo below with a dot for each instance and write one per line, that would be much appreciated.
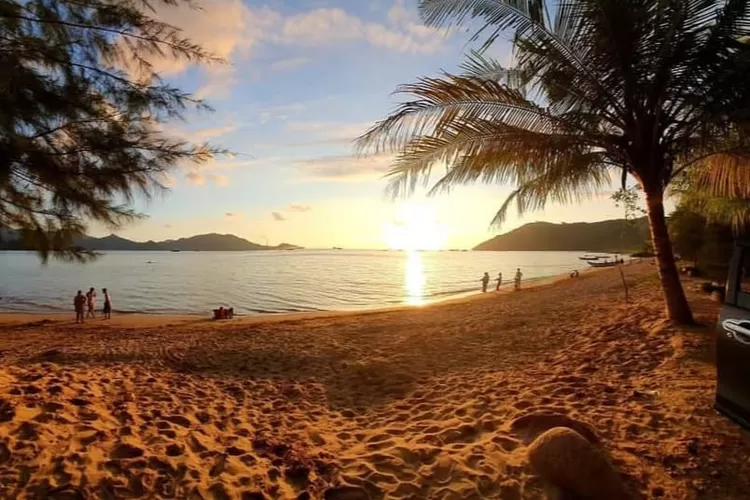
(403, 403)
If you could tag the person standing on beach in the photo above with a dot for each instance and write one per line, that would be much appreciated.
(79, 302)
(107, 310)
(519, 275)
(485, 282)
(91, 301)
(499, 281)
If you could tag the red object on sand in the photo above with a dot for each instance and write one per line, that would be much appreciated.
(222, 313)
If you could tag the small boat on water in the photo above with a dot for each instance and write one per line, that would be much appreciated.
(589, 257)
(608, 263)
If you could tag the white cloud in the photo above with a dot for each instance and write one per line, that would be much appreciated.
(398, 14)
(230, 29)
(298, 208)
(200, 135)
(195, 178)
(219, 26)
(208, 133)
(344, 168)
(218, 179)
(219, 80)
(288, 64)
(327, 26)
(201, 175)
(285, 111)
(234, 164)
(328, 132)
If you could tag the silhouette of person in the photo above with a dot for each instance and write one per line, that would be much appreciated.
(518, 277)
(485, 281)
(107, 310)
(91, 301)
(79, 302)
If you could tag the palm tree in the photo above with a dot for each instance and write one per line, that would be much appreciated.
(641, 88)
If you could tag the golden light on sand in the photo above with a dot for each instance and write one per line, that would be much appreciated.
(414, 279)
(415, 228)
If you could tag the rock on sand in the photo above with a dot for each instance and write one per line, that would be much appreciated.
(567, 460)
(528, 427)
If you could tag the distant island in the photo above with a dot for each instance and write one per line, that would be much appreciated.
(212, 242)
(609, 236)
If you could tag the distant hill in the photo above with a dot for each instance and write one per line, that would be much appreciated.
(9, 240)
(606, 236)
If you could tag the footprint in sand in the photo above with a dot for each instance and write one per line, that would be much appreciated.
(7, 410)
(125, 450)
(179, 420)
(174, 450)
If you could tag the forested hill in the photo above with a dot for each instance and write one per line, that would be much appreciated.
(616, 235)
(10, 240)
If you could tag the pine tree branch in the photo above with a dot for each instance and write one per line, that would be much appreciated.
(197, 53)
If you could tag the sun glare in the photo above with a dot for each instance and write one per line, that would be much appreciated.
(414, 279)
(415, 228)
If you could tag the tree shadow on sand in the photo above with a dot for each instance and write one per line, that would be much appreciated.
(349, 383)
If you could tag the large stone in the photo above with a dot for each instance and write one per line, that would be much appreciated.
(567, 460)
(528, 427)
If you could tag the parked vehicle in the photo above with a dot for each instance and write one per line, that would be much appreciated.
(733, 341)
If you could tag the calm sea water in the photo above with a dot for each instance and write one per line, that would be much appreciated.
(264, 282)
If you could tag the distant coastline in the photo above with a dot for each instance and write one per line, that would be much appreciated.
(212, 242)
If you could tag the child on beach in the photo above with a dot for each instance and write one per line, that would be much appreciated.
(485, 281)
(107, 310)
(499, 281)
(91, 300)
(79, 302)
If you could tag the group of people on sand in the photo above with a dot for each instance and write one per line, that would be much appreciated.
(88, 303)
(499, 280)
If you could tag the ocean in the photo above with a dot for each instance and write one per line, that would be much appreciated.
(265, 282)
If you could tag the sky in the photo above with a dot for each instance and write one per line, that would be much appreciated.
(304, 79)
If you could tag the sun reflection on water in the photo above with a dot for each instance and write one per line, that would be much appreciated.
(414, 279)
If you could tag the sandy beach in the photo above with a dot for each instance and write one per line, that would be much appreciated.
(404, 403)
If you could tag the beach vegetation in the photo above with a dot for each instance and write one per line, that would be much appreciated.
(713, 210)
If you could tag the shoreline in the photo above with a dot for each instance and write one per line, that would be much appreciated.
(140, 319)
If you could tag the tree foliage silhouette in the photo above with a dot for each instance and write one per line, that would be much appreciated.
(83, 108)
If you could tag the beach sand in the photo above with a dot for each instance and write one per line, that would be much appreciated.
(407, 403)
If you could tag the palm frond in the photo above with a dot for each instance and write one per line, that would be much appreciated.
(498, 14)
(443, 102)
(572, 180)
(479, 66)
(481, 151)
(458, 101)
(723, 176)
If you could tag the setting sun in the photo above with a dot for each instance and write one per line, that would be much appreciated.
(415, 228)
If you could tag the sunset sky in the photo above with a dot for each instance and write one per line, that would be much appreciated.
(307, 77)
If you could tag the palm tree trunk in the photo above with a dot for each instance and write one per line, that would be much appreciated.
(678, 309)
